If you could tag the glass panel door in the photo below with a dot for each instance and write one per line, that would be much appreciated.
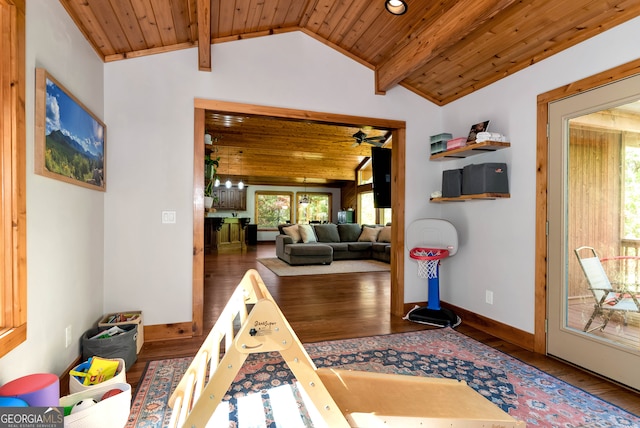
(593, 215)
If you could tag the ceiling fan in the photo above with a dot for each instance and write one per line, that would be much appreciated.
(361, 137)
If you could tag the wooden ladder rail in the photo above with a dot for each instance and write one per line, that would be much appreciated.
(263, 328)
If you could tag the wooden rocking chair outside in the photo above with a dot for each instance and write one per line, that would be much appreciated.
(610, 298)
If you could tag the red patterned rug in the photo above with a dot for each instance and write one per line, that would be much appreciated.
(265, 391)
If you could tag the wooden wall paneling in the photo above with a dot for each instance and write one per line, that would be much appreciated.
(349, 197)
(182, 20)
(339, 24)
(146, 19)
(87, 22)
(130, 24)
(241, 15)
(457, 22)
(164, 20)
(223, 22)
(352, 39)
(259, 11)
(594, 198)
(192, 19)
(106, 18)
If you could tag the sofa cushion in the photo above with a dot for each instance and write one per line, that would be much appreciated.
(339, 246)
(308, 250)
(282, 226)
(349, 232)
(380, 247)
(306, 233)
(293, 232)
(359, 246)
(326, 232)
(369, 234)
(385, 234)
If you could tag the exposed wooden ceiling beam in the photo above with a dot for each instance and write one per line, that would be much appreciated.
(204, 35)
(455, 23)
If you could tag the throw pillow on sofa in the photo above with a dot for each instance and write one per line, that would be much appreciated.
(369, 234)
(349, 232)
(327, 232)
(306, 233)
(293, 232)
(385, 234)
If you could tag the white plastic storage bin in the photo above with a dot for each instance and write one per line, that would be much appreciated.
(112, 412)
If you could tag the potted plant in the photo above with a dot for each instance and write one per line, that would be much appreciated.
(209, 198)
(211, 164)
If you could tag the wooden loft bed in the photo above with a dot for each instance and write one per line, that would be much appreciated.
(251, 322)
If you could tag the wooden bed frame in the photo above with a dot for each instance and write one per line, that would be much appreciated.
(251, 322)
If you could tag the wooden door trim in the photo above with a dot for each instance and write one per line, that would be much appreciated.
(397, 190)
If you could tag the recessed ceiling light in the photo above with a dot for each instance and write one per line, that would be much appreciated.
(396, 7)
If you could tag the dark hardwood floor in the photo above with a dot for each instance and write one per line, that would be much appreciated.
(326, 307)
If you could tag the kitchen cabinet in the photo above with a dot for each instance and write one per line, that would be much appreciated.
(232, 199)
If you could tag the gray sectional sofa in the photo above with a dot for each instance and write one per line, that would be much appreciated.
(308, 244)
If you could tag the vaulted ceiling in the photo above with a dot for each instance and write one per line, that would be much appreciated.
(441, 50)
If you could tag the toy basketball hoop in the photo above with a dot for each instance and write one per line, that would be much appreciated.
(443, 234)
(428, 260)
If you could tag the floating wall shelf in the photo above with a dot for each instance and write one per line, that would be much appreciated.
(470, 150)
(481, 196)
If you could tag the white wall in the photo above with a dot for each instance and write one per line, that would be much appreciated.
(149, 108)
(65, 249)
(497, 241)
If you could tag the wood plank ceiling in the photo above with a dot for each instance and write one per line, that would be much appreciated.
(441, 50)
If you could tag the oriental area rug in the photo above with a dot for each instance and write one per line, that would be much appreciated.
(265, 394)
(282, 268)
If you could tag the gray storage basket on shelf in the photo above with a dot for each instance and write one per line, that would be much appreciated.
(122, 345)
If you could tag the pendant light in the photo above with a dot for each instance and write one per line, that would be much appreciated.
(228, 183)
(240, 183)
(304, 200)
(216, 182)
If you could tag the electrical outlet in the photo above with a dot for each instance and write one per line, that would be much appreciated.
(489, 297)
(67, 336)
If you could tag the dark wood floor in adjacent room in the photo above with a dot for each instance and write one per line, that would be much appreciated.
(328, 307)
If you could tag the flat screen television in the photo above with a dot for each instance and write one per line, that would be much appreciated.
(381, 168)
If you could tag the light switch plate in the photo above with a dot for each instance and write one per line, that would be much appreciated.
(168, 217)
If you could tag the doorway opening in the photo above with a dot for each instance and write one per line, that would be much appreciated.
(397, 129)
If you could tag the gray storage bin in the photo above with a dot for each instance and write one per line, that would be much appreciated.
(122, 345)
(485, 178)
(451, 183)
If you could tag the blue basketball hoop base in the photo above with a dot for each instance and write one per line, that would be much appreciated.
(428, 267)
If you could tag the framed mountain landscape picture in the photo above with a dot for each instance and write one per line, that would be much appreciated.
(69, 139)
